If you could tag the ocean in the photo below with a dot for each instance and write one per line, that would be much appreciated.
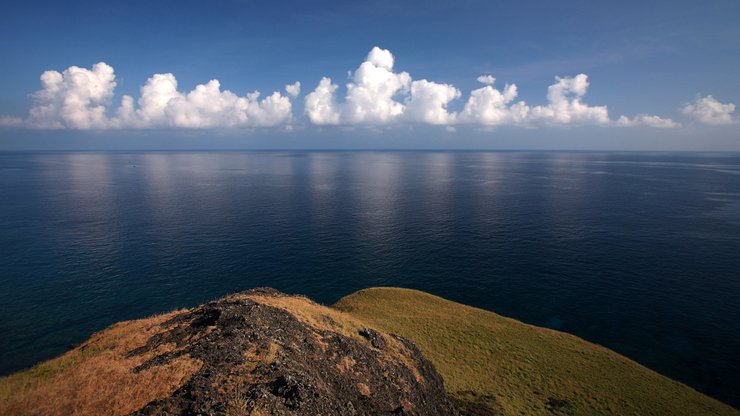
(639, 252)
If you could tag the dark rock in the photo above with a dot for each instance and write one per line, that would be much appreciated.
(554, 404)
(262, 359)
(376, 340)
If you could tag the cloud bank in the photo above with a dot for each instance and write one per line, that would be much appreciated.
(376, 94)
(80, 98)
(162, 105)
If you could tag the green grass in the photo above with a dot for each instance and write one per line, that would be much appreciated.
(497, 365)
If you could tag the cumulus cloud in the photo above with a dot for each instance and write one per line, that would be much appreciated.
(428, 102)
(486, 79)
(376, 93)
(161, 104)
(647, 120)
(80, 98)
(293, 89)
(370, 95)
(565, 105)
(321, 105)
(76, 98)
(708, 110)
(491, 107)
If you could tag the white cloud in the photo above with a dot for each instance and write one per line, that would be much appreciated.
(565, 105)
(381, 58)
(206, 106)
(273, 110)
(293, 89)
(376, 94)
(708, 110)
(79, 98)
(370, 95)
(76, 98)
(491, 107)
(647, 120)
(155, 96)
(321, 104)
(428, 102)
(486, 79)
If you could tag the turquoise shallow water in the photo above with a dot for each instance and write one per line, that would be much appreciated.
(636, 251)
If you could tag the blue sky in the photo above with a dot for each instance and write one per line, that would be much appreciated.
(670, 67)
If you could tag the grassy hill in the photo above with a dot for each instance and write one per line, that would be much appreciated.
(496, 365)
(229, 356)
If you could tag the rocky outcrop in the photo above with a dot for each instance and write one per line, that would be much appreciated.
(266, 353)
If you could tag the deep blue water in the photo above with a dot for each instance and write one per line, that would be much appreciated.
(639, 252)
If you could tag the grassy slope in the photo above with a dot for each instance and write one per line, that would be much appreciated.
(96, 378)
(496, 364)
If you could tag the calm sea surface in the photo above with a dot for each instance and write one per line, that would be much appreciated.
(639, 252)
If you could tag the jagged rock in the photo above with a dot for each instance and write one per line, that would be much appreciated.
(262, 358)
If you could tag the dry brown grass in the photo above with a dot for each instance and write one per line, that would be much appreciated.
(313, 314)
(97, 378)
(345, 364)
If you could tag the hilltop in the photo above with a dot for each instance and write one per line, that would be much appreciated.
(258, 352)
(377, 351)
